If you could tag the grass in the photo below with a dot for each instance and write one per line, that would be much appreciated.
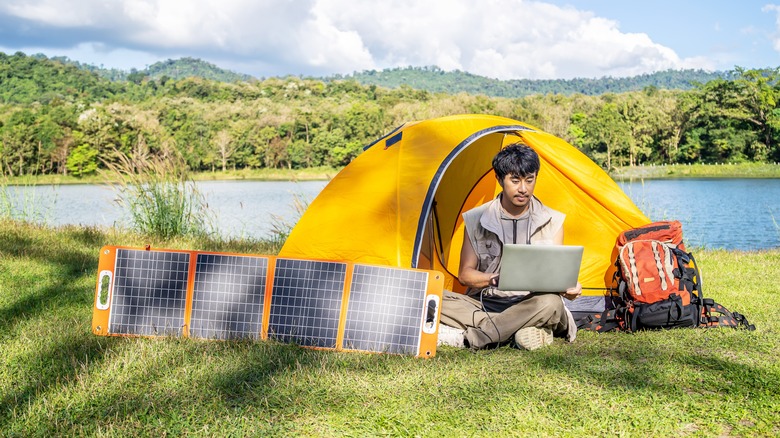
(57, 379)
(161, 197)
(22, 202)
(309, 174)
(735, 170)
(281, 227)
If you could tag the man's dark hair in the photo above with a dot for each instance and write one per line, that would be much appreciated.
(517, 160)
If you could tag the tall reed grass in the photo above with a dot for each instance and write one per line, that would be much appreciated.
(24, 203)
(774, 222)
(160, 196)
(6, 205)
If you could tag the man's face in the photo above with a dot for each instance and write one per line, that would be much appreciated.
(518, 191)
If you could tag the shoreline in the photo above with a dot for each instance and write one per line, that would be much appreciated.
(681, 171)
(309, 174)
(623, 173)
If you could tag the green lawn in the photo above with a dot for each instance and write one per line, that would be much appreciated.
(733, 170)
(308, 174)
(56, 378)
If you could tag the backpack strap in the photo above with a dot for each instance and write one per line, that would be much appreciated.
(606, 321)
(685, 259)
(715, 315)
(742, 321)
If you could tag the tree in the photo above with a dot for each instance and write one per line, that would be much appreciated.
(719, 127)
(225, 146)
(639, 118)
(607, 135)
(760, 94)
(100, 130)
(83, 160)
(327, 147)
(362, 122)
(300, 154)
(25, 135)
(136, 76)
(60, 154)
(50, 106)
(676, 111)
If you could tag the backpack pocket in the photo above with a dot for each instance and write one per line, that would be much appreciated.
(651, 271)
(669, 313)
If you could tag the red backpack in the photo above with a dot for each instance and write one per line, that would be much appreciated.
(659, 285)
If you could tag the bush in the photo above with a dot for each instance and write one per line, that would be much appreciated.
(160, 196)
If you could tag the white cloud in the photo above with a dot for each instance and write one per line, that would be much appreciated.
(54, 13)
(776, 36)
(503, 39)
(323, 44)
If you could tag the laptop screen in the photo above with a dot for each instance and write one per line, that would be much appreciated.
(539, 268)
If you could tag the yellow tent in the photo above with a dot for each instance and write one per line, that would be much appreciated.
(400, 202)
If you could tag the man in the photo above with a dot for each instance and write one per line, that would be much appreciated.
(485, 315)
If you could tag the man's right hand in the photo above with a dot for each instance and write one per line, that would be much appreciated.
(573, 292)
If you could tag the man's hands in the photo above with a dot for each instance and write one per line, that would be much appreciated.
(573, 292)
(570, 293)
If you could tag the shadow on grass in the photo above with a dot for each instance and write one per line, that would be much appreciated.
(328, 385)
(73, 259)
(185, 385)
(630, 365)
(665, 370)
(176, 386)
(50, 367)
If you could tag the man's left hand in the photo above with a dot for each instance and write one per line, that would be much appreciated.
(573, 292)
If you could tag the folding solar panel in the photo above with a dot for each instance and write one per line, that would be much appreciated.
(313, 303)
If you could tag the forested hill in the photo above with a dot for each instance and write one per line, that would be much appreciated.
(432, 79)
(188, 67)
(435, 80)
(26, 79)
(58, 118)
(172, 69)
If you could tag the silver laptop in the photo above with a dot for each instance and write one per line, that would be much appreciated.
(539, 268)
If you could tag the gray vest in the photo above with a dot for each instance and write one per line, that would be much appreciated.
(483, 225)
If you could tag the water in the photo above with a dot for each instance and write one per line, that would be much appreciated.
(239, 208)
(715, 213)
(250, 208)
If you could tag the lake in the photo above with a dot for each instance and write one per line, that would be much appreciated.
(239, 208)
(715, 213)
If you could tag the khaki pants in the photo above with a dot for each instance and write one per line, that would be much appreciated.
(485, 328)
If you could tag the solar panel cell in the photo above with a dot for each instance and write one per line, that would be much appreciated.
(386, 310)
(148, 300)
(228, 296)
(306, 302)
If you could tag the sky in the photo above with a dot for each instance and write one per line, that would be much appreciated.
(503, 39)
